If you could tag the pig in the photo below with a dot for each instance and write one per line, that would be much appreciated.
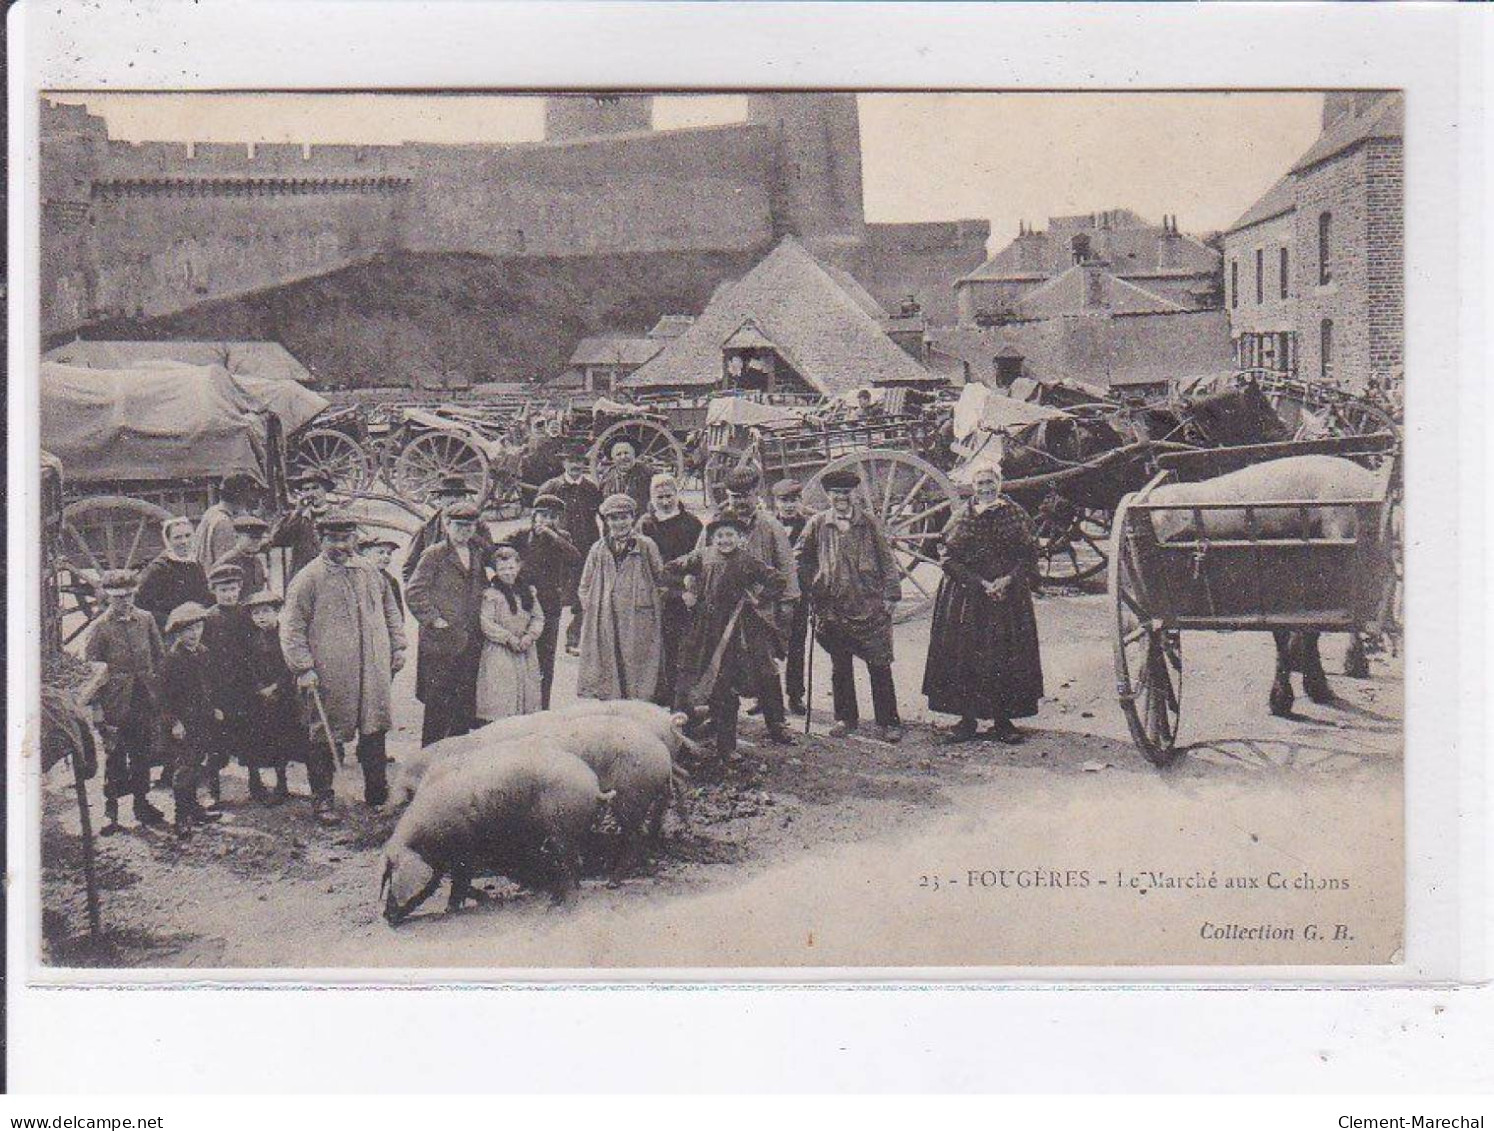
(522, 811)
(1309, 478)
(629, 759)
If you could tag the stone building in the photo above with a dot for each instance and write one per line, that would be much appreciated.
(1314, 269)
(1158, 258)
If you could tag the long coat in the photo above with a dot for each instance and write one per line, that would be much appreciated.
(443, 589)
(731, 589)
(621, 636)
(225, 639)
(132, 649)
(341, 621)
(983, 658)
(854, 575)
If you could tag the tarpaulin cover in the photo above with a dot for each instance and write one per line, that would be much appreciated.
(169, 422)
(740, 411)
(294, 404)
(989, 411)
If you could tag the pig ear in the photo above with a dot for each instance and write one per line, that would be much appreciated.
(679, 718)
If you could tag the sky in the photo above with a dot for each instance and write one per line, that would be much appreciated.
(1006, 157)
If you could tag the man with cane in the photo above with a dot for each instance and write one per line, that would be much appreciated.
(343, 636)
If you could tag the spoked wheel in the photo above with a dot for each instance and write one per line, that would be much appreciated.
(418, 468)
(338, 455)
(913, 500)
(98, 534)
(653, 444)
(1148, 661)
(1072, 540)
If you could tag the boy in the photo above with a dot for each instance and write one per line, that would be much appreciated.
(274, 715)
(225, 636)
(379, 552)
(186, 713)
(128, 642)
(729, 646)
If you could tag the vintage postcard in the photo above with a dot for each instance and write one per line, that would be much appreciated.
(616, 530)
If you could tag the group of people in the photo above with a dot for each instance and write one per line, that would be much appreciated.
(205, 664)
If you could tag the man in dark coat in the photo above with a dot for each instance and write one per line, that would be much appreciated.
(730, 642)
(983, 660)
(175, 576)
(582, 498)
(788, 508)
(445, 594)
(297, 529)
(855, 586)
(453, 489)
(126, 640)
(627, 475)
(675, 531)
(551, 563)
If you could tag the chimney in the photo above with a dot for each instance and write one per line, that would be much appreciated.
(1169, 246)
(1094, 285)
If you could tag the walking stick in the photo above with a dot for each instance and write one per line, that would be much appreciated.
(90, 871)
(321, 713)
(809, 671)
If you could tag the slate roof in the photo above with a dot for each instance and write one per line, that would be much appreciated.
(1386, 118)
(671, 326)
(1280, 198)
(606, 349)
(255, 359)
(821, 330)
(1066, 294)
(1130, 251)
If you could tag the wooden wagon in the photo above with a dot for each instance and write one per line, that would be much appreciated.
(1281, 574)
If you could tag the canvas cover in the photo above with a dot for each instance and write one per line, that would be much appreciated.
(294, 404)
(165, 422)
(984, 409)
(741, 411)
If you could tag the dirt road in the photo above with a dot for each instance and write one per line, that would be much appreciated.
(1070, 849)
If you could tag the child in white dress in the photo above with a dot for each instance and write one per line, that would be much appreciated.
(508, 676)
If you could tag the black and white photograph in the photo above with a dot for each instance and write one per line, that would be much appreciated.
(599, 530)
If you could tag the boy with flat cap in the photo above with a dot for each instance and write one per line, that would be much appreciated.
(187, 725)
(378, 551)
(225, 642)
(552, 565)
(125, 639)
(273, 711)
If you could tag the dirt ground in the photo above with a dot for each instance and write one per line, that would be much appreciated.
(849, 852)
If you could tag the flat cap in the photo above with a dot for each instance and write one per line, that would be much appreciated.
(788, 489)
(336, 522)
(118, 581)
(250, 524)
(744, 479)
(263, 597)
(617, 504)
(724, 519)
(549, 502)
(225, 573)
(462, 512)
(840, 481)
(311, 475)
(185, 614)
(369, 541)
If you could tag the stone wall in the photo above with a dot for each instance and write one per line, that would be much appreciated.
(923, 260)
(1385, 252)
(1340, 188)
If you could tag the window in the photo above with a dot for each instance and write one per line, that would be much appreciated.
(1325, 249)
(1286, 272)
(1260, 276)
(1234, 284)
(1325, 350)
(1079, 246)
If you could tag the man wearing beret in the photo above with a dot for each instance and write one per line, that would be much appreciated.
(621, 634)
(445, 594)
(343, 637)
(551, 564)
(855, 586)
(582, 497)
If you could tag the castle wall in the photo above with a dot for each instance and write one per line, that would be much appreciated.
(922, 260)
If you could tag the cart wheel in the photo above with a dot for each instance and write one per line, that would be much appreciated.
(1072, 541)
(416, 471)
(653, 444)
(106, 532)
(338, 455)
(1148, 660)
(913, 500)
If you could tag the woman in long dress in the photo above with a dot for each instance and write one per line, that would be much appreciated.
(508, 675)
(983, 660)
